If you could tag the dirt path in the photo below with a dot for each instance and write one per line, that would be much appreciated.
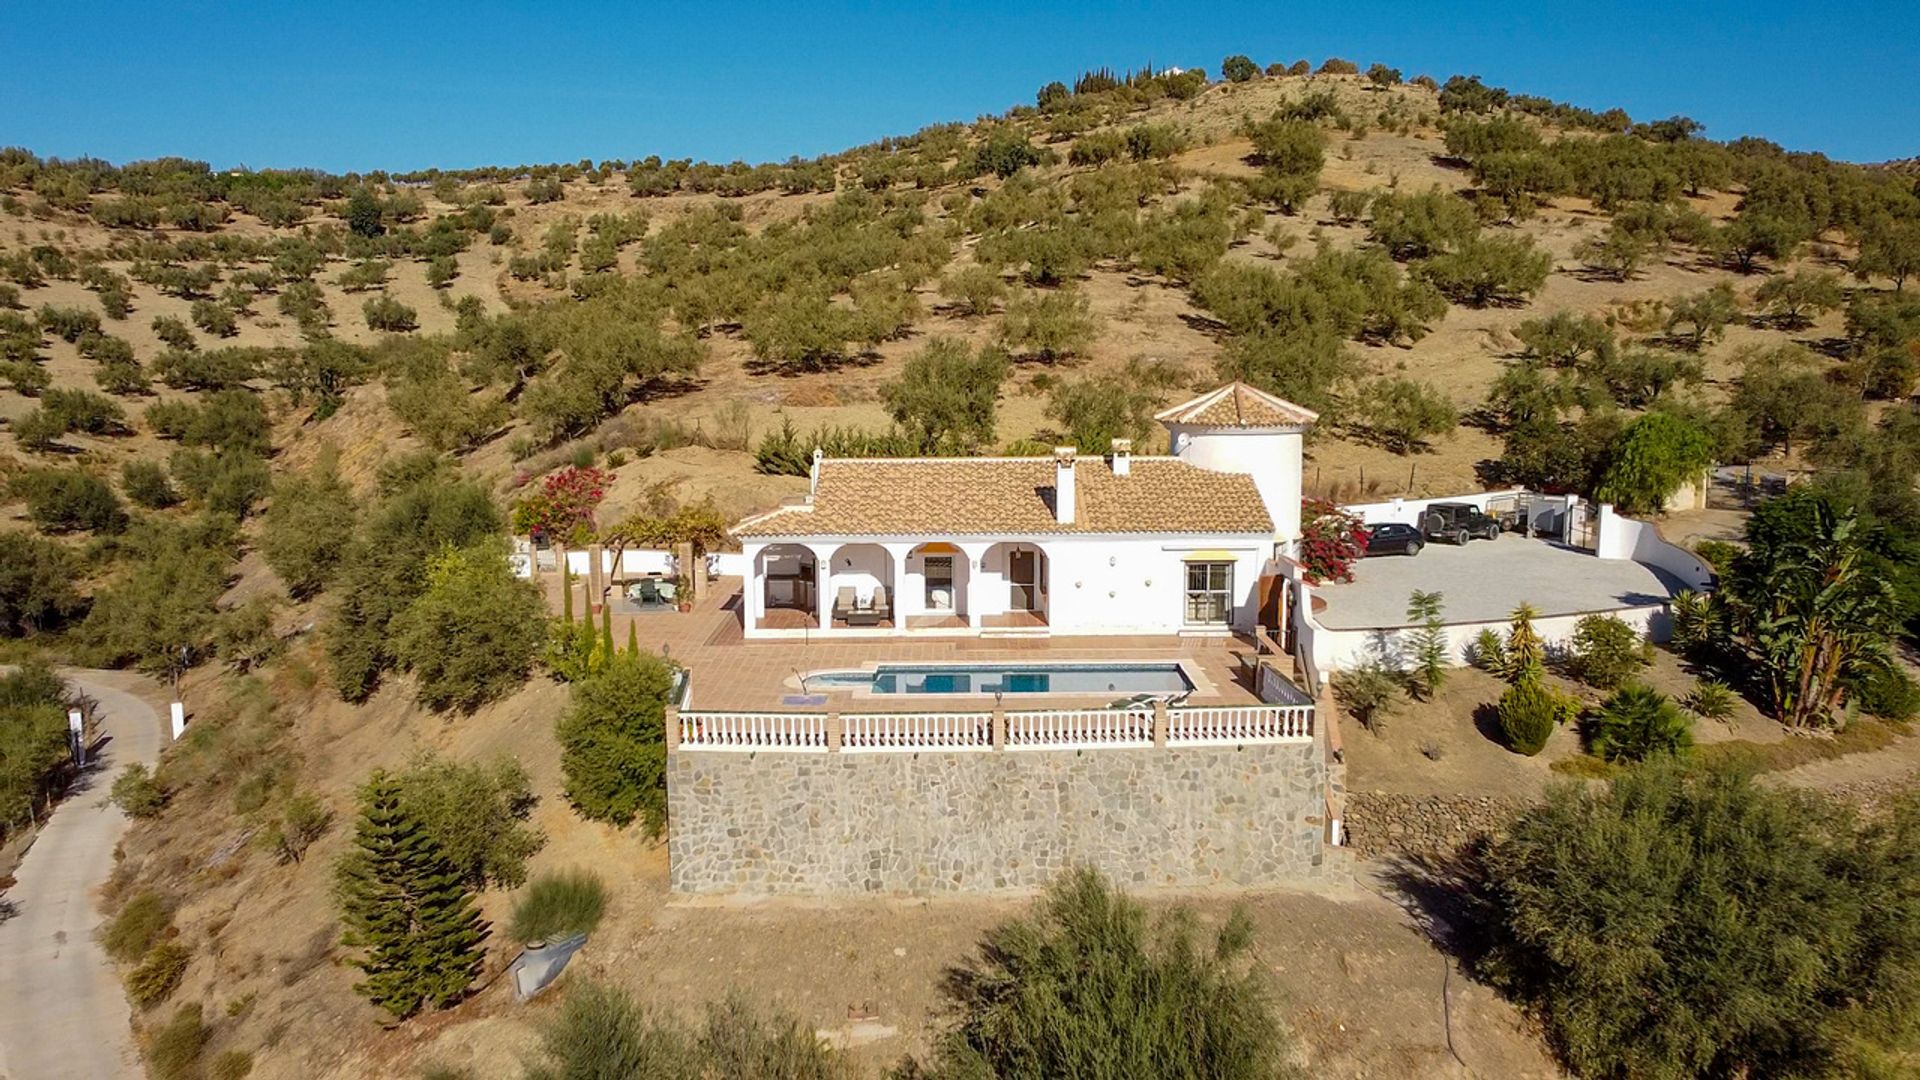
(62, 1012)
(1900, 761)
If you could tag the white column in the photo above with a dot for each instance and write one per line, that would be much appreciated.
(823, 582)
(976, 556)
(896, 589)
(753, 590)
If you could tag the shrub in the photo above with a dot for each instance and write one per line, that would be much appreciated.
(138, 793)
(68, 500)
(1606, 652)
(174, 333)
(472, 636)
(1331, 541)
(230, 482)
(601, 1032)
(231, 1065)
(977, 289)
(137, 927)
(159, 974)
(1430, 651)
(1100, 408)
(1083, 987)
(215, 318)
(1710, 700)
(175, 1048)
(300, 822)
(1489, 651)
(1371, 693)
(383, 312)
(146, 484)
(1526, 654)
(1528, 711)
(613, 741)
(557, 906)
(1886, 691)
(1636, 723)
(1689, 922)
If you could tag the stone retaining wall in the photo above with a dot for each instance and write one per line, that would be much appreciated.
(945, 821)
(1383, 823)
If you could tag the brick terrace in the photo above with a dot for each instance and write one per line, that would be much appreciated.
(730, 672)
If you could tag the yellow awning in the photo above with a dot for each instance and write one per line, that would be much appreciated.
(1208, 556)
(939, 549)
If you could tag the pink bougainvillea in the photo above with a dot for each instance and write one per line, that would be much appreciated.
(1331, 540)
(562, 509)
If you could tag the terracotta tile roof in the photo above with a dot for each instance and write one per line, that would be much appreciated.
(993, 496)
(1238, 405)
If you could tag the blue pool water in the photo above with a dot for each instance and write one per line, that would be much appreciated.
(1164, 678)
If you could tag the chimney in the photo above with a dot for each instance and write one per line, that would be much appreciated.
(813, 474)
(1063, 484)
(1123, 457)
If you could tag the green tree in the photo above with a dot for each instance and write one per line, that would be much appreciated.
(1687, 922)
(1238, 68)
(1526, 654)
(363, 213)
(36, 584)
(1789, 298)
(146, 484)
(405, 907)
(613, 747)
(1652, 457)
(309, 526)
(601, 1034)
(1422, 225)
(475, 815)
(977, 289)
(1083, 987)
(1566, 340)
(1890, 249)
(61, 500)
(1809, 605)
(1402, 413)
(472, 634)
(1049, 325)
(1527, 712)
(945, 394)
(1489, 270)
(423, 508)
(158, 613)
(1097, 409)
(1703, 315)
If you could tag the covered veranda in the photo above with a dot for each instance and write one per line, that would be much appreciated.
(862, 587)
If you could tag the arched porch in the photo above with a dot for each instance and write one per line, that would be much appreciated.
(788, 597)
(1015, 589)
(862, 593)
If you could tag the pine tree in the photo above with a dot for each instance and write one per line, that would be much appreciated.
(403, 903)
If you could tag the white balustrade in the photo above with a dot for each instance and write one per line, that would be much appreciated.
(1068, 729)
(754, 731)
(916, 731)
(1200, 725)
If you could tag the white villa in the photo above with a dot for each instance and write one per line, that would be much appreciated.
(1070, 544)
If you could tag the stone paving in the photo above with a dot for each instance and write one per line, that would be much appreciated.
(730, 672)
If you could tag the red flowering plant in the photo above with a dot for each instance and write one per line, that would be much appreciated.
(1331, 540)
(562, 510)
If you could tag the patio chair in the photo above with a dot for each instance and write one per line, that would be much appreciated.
(880, 608)
(843, 602)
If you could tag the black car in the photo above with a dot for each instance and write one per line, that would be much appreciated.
(1458, 523)
(1395, 539)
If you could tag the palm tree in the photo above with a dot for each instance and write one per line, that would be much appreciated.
(1816, 614)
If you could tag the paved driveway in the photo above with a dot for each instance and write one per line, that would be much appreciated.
(1487, 579)
(62, 1012)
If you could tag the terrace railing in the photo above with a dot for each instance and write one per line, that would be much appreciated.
(1029, 729)
(1078, 729)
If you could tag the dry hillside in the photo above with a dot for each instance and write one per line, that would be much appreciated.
(647, 319)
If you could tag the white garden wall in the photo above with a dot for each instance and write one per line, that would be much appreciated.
(1621, 537)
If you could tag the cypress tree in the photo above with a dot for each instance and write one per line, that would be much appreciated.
(633, 639)
(403, 902)
(606, 627)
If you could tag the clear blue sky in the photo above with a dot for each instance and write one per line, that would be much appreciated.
(404, 85)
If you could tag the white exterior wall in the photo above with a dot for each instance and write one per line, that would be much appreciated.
(1107, 585)
(1272, 456)
(1338, 650)
(1620, 537)
(646, 561)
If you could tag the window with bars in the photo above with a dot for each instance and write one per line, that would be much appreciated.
(1209, 593)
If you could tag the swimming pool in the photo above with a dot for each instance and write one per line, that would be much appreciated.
(1134, 678)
